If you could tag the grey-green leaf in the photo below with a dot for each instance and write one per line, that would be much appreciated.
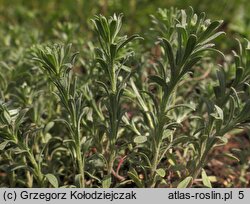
(161, 172)
(106, 182)
(4, 144)
(185, 183)
(210, 29)
(231, 156)
(134, 176)
(205, 179)
(52, 180)
(140, 139)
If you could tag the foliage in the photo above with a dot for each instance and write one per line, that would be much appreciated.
(111, 112)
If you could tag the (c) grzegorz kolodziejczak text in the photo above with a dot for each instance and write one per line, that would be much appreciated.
(71, 195)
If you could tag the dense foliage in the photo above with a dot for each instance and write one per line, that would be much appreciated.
(119, 110)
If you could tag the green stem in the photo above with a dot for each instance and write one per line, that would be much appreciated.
(37, 171)
(154, 167)
(202, 161)
(113, 131)
(81, 165)
(159, 132)
(79, 154)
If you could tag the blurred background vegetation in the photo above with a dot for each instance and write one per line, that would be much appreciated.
(41, 18)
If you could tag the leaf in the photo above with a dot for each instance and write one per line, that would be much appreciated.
(189, 106)
(231, 156)
(7, 117)
(212, 37)
(20, 118)
(189, 47)
(48, 126)
(153, 99)
(138, 96)
(171, 159)
(16, 167)
(104, 86)
(238, 75)
(219, 115)
(17, 150)
(184, 183)
(92, 176)
(222, 140)
(169, 51)
(158, 80)
(123, 184)
(161, 172)
(4, 144)
(181, 140)
(189, 65)
(177, 167)
(217, 92)
(65, 123)
(134, 176)
(52, 180)
(245, 113)
(182, 34)
(113, 51)
(145, 158)
(205, 179)
(210, 29)
(103, 65)
(212, 179)
(222, 80)
(173, 125)
(216, 52)
(232, 106)
(131, 38)
(140, 139)
(106, 182)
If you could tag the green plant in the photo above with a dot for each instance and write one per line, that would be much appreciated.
(111, 56)
(11, 120)
(187, 37)
(227, 110)
(57, 64)
(121, 114)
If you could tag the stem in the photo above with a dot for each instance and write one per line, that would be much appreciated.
(113, 131)
(159, 134)
(111, 162)
(202, 161)
(12, 179)
(154, 167)
(37, 171)
(197, 169)
(79, 157)
(29, 178)
(81, 165)
(76, 134)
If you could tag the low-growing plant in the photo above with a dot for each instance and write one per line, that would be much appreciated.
(111, 56)
(116, 116)
(57, 65)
